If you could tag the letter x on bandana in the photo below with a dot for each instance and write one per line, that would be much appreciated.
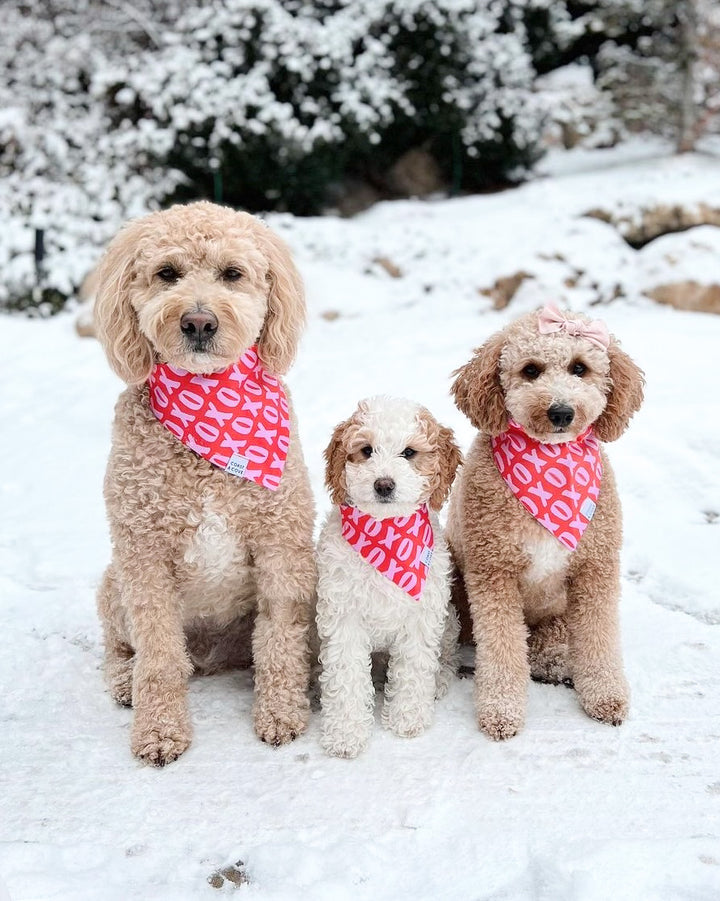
(237, 419)
(558, 483)
(400, 548)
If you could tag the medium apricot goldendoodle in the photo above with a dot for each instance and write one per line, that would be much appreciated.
(535, 522)
(199, 309)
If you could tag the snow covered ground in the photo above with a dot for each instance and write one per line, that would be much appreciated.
(569, 810)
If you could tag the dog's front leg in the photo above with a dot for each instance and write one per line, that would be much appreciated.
(411, 679)
(161, 728)
(348, 693)
(286, 581)
(594, 640)
(502, 671)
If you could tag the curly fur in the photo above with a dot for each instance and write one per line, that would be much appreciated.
(359, 610)
(208, 570)
(533, 607)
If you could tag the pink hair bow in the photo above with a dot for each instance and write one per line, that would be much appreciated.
(552, 320)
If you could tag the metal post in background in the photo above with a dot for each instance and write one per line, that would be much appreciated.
(39, 259)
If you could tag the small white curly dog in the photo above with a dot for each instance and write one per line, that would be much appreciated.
(389, 470)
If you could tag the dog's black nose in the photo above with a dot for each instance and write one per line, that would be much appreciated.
(199, 325)
(560, 415)
(384, 487)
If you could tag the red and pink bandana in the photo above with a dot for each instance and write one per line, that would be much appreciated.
(558, 483)
(237, 419)
(399, 548)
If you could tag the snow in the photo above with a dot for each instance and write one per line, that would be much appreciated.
(569, 810)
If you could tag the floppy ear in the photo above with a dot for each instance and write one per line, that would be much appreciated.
(129, 353)
(335, 458)
(477, 389)
(626, 395)
(285, 318)
(449, 458)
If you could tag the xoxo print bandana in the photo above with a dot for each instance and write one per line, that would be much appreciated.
(558, 483)
(400, 548)
(237, 419)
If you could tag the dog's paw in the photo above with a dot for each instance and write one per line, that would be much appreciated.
(445, 677)
(160, 744)
(407, 728)
(610, 709)
(498, 723)
(277, 725)
(551, 669)
(605, 697)
(343, 744)
(406, 722)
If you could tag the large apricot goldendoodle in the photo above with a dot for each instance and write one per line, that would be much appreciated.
(209, 569)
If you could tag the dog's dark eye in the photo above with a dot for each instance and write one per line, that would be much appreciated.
(366, 451)
(408, 453)
(578, 368)
(531, 372)
(168, 274)
(231, 274)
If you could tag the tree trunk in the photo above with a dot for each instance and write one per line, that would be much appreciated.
(687, 132)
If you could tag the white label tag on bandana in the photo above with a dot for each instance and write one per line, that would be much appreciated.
(426, 556)
(588, 508)
(236, 465)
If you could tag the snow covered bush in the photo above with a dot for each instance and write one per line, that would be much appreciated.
(45, 118)
(245, 99)
(108, 110)
(642, 75)
(59, 173)
(578, 112)
(466, 76)
(267, 104)
(658, 61)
